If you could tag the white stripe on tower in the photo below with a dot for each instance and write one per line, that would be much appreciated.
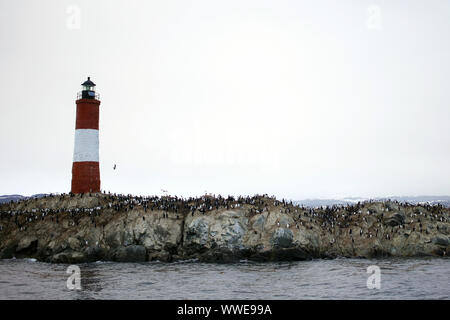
(86, 145)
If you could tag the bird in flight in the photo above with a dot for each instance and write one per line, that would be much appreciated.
(164, 190)
(114, 168)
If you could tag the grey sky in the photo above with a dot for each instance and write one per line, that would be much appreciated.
(292, 98)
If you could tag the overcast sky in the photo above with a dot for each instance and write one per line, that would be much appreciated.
(296, 99)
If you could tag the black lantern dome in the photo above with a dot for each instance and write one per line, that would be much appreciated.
(88, 89)
(88, 83)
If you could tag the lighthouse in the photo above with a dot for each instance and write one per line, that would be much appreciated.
(85, 168)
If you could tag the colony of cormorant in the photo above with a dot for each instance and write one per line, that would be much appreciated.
(327, 218)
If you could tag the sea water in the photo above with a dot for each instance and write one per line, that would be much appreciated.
(408, 278)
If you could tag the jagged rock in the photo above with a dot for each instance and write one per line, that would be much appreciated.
(27, 243)
(113, 235)
(259, 221)
(133, 253)
(162, 256)
(394, 219)
(282, 238)
(441, 241)
(96, 254)
(229, 235)
(443, 228)
(290, 254)
(197, 232)
(27, 247)
(68, 257)
(74, 243)
(219, 255)
(8, 251)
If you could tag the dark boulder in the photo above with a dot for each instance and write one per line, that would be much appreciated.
(133, 253)
(68, 257)
(96, 254)
(290, 254)
(282, 238)
(441, 241)
(394, 219)
(9, 251)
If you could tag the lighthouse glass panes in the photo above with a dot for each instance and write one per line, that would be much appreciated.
(88, 88)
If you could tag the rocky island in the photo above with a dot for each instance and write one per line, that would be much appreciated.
(80, 228)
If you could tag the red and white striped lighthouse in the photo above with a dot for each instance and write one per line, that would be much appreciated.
(85, 168)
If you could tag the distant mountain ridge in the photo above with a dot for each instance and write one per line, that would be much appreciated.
(18, 197)
(443, 200)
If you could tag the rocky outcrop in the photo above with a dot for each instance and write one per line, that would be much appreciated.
(394, 218)
(273, 232)
(132, 253)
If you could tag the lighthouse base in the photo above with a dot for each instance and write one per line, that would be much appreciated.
(85, 177)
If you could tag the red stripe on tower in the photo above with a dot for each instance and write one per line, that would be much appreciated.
(85, 168)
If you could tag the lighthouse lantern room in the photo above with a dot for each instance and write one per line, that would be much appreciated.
(88, 90)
